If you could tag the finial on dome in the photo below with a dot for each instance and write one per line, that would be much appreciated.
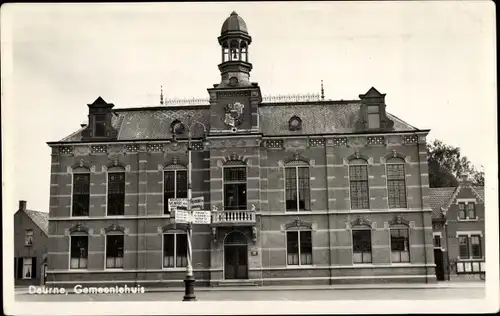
(234, 13)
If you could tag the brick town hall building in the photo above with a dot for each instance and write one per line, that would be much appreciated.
(302, 192)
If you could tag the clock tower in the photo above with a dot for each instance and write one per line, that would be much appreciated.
(234, 101)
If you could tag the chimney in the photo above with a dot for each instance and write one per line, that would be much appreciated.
(464, 177)
(22, 205)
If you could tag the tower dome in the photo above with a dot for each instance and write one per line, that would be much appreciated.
(234, 23)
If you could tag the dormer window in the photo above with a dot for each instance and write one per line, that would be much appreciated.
(373, 116)
(295, 123)
(177, 128)
(100, 125)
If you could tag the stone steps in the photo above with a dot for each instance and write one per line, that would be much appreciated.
(236, 283)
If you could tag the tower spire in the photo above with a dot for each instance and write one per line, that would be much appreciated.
(322, 91)
(161, 95)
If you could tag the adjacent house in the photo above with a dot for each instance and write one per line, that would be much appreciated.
(458, 219)
(301, 190)
(30, 245)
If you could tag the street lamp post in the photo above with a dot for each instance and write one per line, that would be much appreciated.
(189, 280)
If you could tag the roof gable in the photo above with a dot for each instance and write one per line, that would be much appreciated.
(41, 219)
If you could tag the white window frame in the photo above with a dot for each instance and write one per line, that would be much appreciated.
(69, 255)
(116, 170)
(434, 234)
(239, 165)
(399, 227)
(297, 187)
(174, 233)
(113, 233)
(468, 234)
(27, 234)
(80, 170)
(28, 262)
(466, 202)
(297, 231)
(175, 169)
(367, 182)
(402, 162)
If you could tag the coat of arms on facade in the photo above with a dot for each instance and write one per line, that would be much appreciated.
(234, 114)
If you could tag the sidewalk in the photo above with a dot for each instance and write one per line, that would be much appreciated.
(443, 285)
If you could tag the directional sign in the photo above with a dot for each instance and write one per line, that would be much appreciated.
(201, 217)
(196, 203)
(174, 204)
(181, 216)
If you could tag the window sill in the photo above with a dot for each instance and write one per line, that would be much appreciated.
(403, 264)
(300, 266)
(114, 269)
(363, 264)
(27, 278)
(470, 259)
(79, 269)
(468, 219)
(174, 269)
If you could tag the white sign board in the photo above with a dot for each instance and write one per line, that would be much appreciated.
(181, 216)
(201, 217)
(196, 203)
(173, 204)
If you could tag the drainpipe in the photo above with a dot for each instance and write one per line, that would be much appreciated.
(137, 224)
(447, 248)
(328, 219)
(422, 212)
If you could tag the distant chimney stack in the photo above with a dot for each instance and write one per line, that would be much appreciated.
(464, 177)
(22, 205)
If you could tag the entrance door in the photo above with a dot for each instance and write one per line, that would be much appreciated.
(440, 264)
(235, 256)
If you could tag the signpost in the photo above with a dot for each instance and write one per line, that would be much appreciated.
(182, 215)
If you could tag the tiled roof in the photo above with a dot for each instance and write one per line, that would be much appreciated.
(438, 197)
(317, 118)
(480, 191)
(41, 219)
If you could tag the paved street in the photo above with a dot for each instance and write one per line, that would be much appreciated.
(279, 295)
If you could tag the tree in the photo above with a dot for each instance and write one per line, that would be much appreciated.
(446, 165)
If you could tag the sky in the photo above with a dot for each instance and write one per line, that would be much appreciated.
(434, 60)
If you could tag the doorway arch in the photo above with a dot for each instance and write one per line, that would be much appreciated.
(235, 256)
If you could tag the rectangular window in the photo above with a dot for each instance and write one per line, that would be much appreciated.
(81, 194)
(373, 116)
(28, 237)
(174, 186)
(100, 125)
(362, 246)
(297, 190)
(79, 252)
(463, 247)
(114, 251)
(235, 188)
(116, 193)
(396, 186)
(461, 211)
(437, 241)
(475, 241)
(471, 210)
(299, 247)
(27, 268)
(174, 250)
(358, 178)
(400, 249)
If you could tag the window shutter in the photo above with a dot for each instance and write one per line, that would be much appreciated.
(19, 268)
(33, 268)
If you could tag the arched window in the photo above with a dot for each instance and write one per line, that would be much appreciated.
(396, 184)
(358, 184)
(116, 191)
(114, 250)
(400, 243)
(235, 185)
(244, 51)
(79, 250)
(81, 192)
(297, 189)
(234, 51)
